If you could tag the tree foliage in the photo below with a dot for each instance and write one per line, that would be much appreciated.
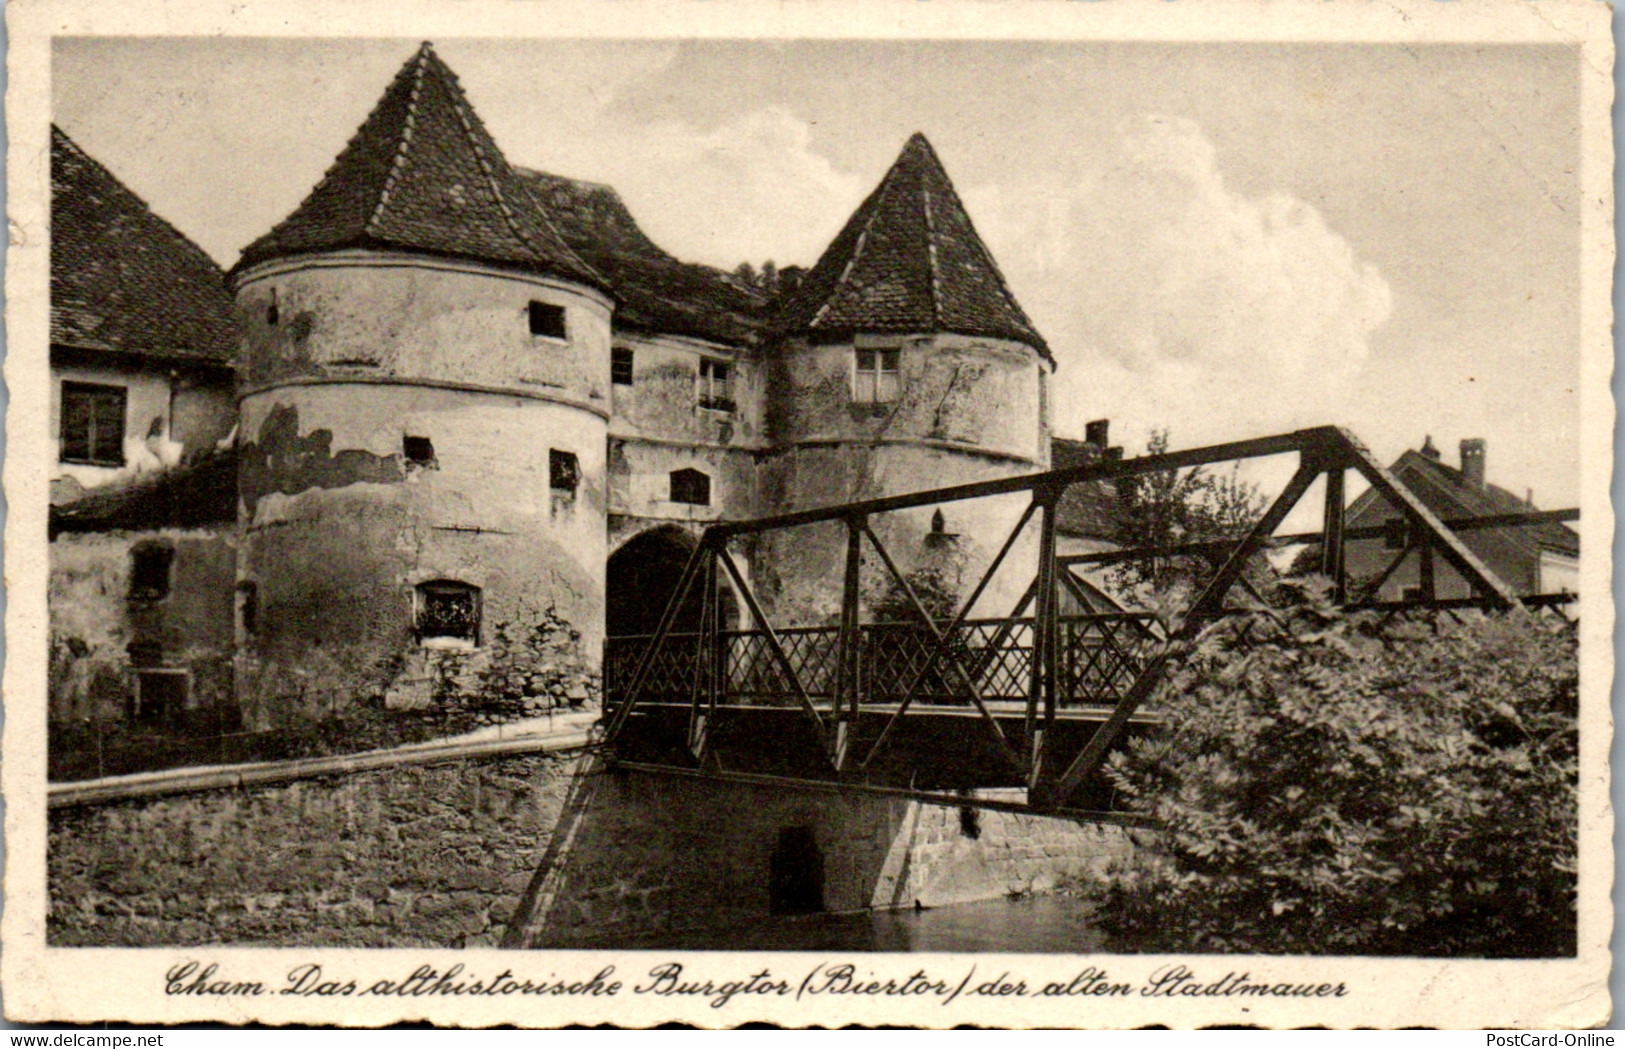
(1333, 783)
(1172, 507)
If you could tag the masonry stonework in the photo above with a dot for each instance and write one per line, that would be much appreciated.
(544, 850)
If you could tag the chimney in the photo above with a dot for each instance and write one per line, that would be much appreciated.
(1472, 461)
(1428, 450)
(1095, 432)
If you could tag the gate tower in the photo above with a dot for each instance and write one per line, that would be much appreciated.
(900, 362)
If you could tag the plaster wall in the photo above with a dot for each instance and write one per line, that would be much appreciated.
(640, 481)
(377, 315)
(801, 569)
(663, 400)
(94, 621)
(339, 529)
(955, 391)
(146, 411)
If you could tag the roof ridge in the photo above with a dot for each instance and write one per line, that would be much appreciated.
(409, 125)
(876, 199)
(933, 263)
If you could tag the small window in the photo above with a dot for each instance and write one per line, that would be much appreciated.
(448, 612)
(875, 376)
(149, 571)
(92, 424)
(563, 471)
(161, 695)
(620, 367)
(271, 312)
(547, 319)
(716, 385)
(248, 607)
(419, 450)
(690, 486)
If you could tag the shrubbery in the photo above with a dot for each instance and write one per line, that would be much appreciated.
(1333, 783)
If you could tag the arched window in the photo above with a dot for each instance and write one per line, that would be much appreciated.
(690, 486)
(448, 614)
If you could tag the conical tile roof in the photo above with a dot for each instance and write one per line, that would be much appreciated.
(122, 279)
(423, 174)
(908, 261)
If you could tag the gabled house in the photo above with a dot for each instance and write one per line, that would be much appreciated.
(142, 334)
(1538, 558)
(143, 496)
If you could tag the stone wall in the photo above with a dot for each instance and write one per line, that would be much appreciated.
(637, 855)
(536, 849)
(427, 855)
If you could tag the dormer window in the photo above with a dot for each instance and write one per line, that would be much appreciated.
(716, 385)
(875, 375)
(547, 320)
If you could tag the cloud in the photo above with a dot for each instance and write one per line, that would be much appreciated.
(1173, 300)
(750, 189)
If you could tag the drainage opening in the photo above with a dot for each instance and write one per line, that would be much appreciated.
(796, 880)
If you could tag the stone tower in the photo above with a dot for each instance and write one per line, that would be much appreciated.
(901, 362)
(424, 387)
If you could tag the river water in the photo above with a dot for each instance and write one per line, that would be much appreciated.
(1026, 925)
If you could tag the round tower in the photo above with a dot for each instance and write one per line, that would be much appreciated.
(902, 362)
(424, 390)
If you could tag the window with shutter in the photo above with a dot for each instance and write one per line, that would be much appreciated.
(92, 424)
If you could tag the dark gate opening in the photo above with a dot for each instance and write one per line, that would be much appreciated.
(641, 578)
(796, 874)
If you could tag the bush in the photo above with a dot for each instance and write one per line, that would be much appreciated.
(1345, 784)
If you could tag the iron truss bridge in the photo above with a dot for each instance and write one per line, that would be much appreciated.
(1017, 712)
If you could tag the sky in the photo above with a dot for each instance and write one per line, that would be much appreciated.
(1224, 241)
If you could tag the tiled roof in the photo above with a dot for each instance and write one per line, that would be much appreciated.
(123, 279)
(656, 292)
(1446, 491)
(1089, 509)
(423, 174)
(908, 261)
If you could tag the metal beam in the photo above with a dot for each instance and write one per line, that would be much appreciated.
(667, 618)
(1092, 471)
(1463, 560)
(1106, 736)
(1120, 819)
(940, 644)
(773, 644)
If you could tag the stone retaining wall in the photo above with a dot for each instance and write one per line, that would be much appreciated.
(530, 849)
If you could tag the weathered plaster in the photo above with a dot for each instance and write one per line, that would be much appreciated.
(382, 316)
(94, 621)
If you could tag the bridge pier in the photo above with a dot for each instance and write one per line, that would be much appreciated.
(639, 855)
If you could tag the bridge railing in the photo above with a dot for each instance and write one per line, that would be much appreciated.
(858, 683)
(1099, 657)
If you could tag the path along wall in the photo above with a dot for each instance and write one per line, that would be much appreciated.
(536, 849)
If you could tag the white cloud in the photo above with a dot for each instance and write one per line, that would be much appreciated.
(748, 190)
(1174, 301)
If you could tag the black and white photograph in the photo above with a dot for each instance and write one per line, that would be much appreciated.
(1026, 515)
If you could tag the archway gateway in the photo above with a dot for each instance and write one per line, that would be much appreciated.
(643, 575)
